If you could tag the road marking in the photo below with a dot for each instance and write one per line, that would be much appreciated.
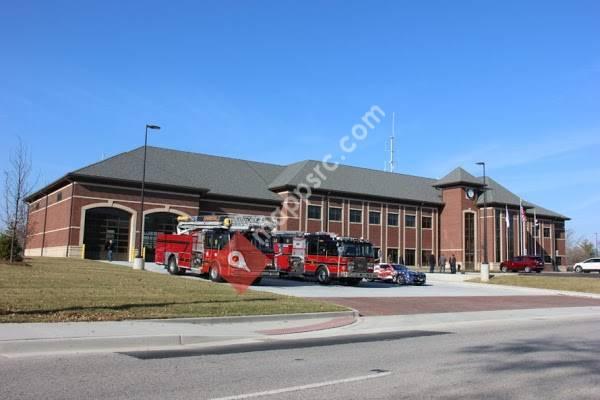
(303, 387)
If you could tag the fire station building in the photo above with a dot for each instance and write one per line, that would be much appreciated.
(406, 217)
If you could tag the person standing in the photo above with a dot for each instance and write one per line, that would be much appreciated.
(442, 263)
(453, 264)
(431, 263)
(109, 247)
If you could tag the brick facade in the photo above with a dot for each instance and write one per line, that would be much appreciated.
(406, 231)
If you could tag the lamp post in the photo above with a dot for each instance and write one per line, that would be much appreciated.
(485, 266)
(138, 262)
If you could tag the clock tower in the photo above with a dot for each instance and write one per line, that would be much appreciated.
(459, 217)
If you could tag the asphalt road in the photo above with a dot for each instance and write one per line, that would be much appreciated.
(540, 358)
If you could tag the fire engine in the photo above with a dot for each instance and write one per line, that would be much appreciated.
(201, 242)
(323, 255)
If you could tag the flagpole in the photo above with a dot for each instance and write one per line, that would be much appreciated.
(534, 233)
(506, 224)
(520, 231)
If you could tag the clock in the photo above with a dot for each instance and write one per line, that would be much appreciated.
(470, 194)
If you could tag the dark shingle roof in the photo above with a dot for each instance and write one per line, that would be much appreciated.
(456, 177)
(221, 175)
(544, 212)
(361, 181)
(498, 194)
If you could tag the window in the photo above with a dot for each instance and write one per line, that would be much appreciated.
(335, 214)
(314, 212)
(392, 219)
(216, 239)
(377, 252)
(58, 196)
(410, 222)
(356, 216)
(426, 221)
(374, 217)
(546, 232)
(392, 256)
(409, 256)
(312, 246)
(497, 234)
(425, 257)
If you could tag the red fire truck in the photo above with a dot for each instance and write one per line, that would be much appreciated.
(323, 255)
(202, 244)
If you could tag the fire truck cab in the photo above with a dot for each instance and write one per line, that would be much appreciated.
(324, 256)
(200, 242)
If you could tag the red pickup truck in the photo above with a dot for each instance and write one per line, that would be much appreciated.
(523, 263)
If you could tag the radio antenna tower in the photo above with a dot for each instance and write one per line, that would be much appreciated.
(392, 137)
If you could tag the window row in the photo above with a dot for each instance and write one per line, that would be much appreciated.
(410, 257)
(335, 214)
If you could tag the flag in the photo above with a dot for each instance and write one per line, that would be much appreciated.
(506, 217)
(523, 216)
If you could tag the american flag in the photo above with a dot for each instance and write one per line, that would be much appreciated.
(523, 216)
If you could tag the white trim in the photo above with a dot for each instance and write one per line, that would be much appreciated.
(166, 209)
(51, 193)
(53, 230)
(111, 204)
(134, 202)
(49, 205)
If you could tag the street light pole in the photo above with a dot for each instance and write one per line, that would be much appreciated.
(485, 266)
(138, 262)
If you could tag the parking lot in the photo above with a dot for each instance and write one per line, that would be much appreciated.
(441, 294)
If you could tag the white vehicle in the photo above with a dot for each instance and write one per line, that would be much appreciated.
(591, 264)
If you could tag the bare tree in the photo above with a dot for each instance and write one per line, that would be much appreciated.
(578, 248)
(17, 185)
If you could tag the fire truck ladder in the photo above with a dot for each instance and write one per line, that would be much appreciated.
(237, 222)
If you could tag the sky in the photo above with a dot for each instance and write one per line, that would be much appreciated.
(513, 83)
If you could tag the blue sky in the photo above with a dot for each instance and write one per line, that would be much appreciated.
(514, 83)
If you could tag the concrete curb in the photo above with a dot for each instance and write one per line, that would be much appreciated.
(34, 347)
(254, 318)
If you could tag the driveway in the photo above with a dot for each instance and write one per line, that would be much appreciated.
(440, 295)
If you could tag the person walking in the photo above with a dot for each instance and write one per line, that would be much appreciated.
(442, 263)
(453, 264)
(109, 247)
(431, 263)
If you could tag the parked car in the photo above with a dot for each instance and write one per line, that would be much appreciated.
(523, 263)
(398, 273)
(406, 276)
(385, 273)
(591, 264)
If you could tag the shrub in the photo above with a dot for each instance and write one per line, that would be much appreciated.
(5, 248)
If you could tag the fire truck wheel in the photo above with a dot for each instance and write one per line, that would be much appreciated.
(323, 275)
(214, 274)
(173, 268)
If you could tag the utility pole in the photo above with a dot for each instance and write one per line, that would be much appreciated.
(596, 243)
(485, 265)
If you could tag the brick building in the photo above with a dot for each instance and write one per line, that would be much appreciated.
(406, 217)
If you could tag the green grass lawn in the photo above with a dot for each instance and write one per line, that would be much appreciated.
(58, 289)
(587, 285)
